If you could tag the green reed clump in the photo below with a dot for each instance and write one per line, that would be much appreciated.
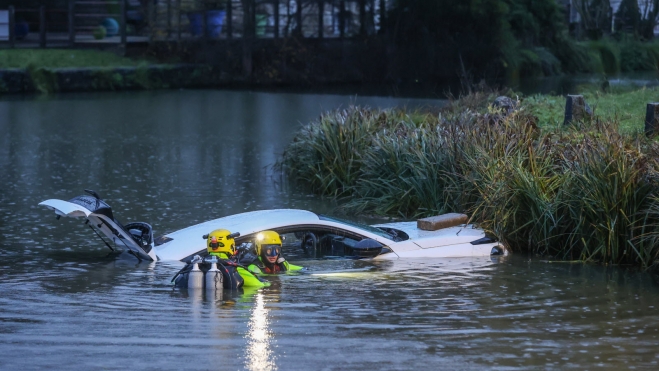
(325, 154)
(604, 196)
(567, 194)
(402, 173)
(512, 174)
(648, 235)
(586, 193)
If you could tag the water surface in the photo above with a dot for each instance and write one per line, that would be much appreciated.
(176, 158)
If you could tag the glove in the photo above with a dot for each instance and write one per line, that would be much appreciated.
(280, 260)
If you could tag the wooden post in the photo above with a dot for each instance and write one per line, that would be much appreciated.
(248, 37)
(122, 23)
(288, 18)
(72, 31)
(254, 18)
(42, 26)
(152, 20)
(169, 19)
(178, 22)
(576, 109)
(229, 17)
(204, 22)
(12, 26)
(362, 17)
(342, 19)
(321, 9)
(652, 119)
(276, 15)
(298, 17)
(383, 14)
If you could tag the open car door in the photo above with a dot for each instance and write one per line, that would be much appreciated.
(136, 237)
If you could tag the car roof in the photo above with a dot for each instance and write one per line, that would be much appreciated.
(252, 221)
(245, 223)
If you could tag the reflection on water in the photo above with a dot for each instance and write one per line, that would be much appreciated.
(177, 158)
(509, 313)
(260, 356)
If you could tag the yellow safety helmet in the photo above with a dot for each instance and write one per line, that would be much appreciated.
(220, 241)
(267, 238)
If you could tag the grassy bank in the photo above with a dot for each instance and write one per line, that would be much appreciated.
(62, 70)
(62, 58)
(586, 192)
(623, 106)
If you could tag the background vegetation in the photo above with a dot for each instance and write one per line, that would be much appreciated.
(516, 38)
(61, 58)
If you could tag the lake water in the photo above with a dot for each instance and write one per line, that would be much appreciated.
(176, 158)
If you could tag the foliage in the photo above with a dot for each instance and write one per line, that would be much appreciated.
(595, 16)
(635, 20)
(608, 53)
(577, 57)
(628, 17)
(584, 192)
(325, 154)
(44, 80)
(639, 56)
(491, 38)
(61, 58)
(484, 35)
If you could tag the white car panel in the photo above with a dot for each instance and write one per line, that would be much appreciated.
(65, 208)
(178, 245)
(188, 241)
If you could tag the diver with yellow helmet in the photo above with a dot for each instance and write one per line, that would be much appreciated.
(221, 243)
(268, 258)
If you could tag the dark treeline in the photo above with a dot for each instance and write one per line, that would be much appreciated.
(507, 38)
(418, 40)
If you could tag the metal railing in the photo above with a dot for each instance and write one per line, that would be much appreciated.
(181, 20)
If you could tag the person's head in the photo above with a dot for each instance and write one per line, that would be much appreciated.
(219, 241)
(268, 246)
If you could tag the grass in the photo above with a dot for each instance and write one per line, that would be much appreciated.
(586, 192)
(61, 58)
(626, 106)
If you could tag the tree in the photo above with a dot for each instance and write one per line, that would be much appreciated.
(637, 17)
(487, 37)
(648, 19)
(628, 17)
(595, 16)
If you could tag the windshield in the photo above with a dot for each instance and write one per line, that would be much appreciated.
(365, 227)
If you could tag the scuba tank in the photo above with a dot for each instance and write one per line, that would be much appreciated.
(196, 276)
(214, 277)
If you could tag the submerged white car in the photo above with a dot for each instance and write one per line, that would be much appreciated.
(319, 235)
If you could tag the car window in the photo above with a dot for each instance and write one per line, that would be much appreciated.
(365, 227)
(317, 242)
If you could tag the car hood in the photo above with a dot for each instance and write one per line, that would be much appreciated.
(441, 237)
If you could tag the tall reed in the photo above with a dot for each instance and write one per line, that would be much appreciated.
(586, 193)
(325, 154)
